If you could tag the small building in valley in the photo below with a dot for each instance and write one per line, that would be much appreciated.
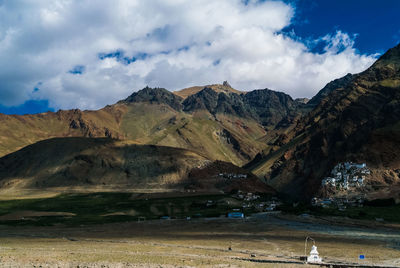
(236, 215)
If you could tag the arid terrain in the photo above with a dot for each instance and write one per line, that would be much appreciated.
(259, 241)
(170, 229)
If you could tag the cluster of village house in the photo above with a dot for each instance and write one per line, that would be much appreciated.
(344, 176)
(232, 176)
(347, 175)
(246, 196)
(249, 199)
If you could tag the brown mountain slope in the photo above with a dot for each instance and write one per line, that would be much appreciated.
(17, 131)
(222, 137)
(64, 162)
(103, 164)
(358, 121)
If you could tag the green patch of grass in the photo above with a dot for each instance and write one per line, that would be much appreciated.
(93, 208)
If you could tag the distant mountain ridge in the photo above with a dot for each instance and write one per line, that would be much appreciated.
(264, 105)
(225, 123)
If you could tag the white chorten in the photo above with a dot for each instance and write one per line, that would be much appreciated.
(314, 256)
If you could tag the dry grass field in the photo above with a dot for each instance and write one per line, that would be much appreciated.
(273, 242)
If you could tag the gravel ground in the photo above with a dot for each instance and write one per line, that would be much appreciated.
(218, 242)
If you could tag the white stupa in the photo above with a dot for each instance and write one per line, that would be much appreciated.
(314, 256)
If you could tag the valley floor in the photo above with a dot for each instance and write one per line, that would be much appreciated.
(259, 241)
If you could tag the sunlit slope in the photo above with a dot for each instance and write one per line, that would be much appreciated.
(220, 137)
(17, 131)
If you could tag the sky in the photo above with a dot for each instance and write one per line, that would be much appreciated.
(63, 54)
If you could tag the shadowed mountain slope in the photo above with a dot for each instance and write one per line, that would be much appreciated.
(331, 86)
(106, 164)
(96, 162)
(358, 121)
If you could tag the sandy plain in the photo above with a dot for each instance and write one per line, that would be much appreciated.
(258, 241)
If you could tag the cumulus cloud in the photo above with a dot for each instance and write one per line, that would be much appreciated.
(87, 54)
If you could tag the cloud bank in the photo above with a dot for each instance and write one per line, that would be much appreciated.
(87, 54)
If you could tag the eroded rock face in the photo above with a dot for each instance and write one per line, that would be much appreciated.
(227, 137)
(89, 128)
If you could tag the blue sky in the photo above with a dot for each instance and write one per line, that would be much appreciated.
(28, 107)
(74, 54)
(376, 23)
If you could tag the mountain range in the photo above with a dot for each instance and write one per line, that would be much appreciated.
(353, 119)
(156, 138)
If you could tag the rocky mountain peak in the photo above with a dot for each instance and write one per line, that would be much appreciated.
(392, 54)
(155, 95)
(226, 84)
(331, 86)
(386, 67)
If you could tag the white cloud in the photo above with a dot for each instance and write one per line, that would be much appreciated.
(180, 43)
